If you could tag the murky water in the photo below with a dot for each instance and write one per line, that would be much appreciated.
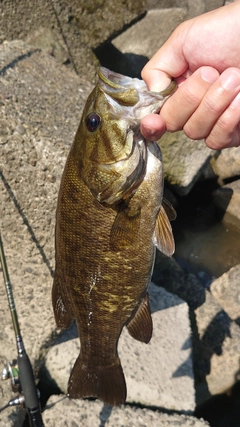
(205, 245)
(208, 253)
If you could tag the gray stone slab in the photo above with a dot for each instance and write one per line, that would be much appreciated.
(226, 291)
(227, 164)
(158, 374)
(184, 160)
(41, 104)
(81, 25)
(168, 274)
(227, 199)
(146, 36)
(61, 411)
(218, 349)
(166, 4)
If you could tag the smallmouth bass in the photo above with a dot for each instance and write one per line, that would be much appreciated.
(110, 217)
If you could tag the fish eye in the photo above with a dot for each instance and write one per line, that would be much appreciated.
(93, 120)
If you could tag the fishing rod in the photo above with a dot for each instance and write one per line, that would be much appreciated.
(20, 371)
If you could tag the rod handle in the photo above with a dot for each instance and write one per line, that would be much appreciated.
(29, 390)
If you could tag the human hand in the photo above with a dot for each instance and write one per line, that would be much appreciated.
(203, 55)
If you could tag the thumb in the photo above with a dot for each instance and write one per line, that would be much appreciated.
(167, 63)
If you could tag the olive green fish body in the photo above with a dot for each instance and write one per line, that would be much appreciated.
(109, 201)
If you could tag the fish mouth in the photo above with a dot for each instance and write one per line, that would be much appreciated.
(131, 92)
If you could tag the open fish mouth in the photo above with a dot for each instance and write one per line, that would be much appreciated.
(129, 97)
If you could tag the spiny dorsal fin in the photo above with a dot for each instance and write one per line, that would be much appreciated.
(140, 326)
(163, 237)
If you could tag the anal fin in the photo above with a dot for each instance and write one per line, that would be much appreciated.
(140, 326)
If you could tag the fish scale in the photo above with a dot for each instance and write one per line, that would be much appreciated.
(110, 214)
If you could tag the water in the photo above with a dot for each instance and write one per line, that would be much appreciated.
(205, 245)
(208, 253)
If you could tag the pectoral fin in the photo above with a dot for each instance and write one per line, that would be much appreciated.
(125, 228)
(140, 326)
(169, 209)
(163, 237)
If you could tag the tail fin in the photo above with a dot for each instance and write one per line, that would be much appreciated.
(107, 382)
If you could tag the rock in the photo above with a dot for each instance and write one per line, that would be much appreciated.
(45, 99)
(212, 4)
(216, 347)
(138, 39)
(184, 160)
(13, 419)
(215, 338)
(226, 292)
(72, 413)
(158, 374)
(138, 43)
(167, 4)
(227, 199)
(168, 274)
(81, 26)
(49, 41)
(200, 6)
(227, 164)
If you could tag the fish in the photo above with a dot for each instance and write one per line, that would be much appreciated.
(111, 216)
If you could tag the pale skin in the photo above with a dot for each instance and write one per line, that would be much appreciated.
(203, 56)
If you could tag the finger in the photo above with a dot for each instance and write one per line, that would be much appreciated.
(152, 127)
(214, 103)
(226, 131)
(169, 61)
(181, 105)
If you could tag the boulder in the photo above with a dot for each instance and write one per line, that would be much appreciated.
(138, 43)
(73, 413)
(227, 200)
(80, 26)
(226, 292)
(216, 348)
(184, 160)
(227, 164)
(171, 276)
(41, 103)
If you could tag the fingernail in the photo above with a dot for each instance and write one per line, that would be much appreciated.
(230, 80)
(160, 84)
(151, 133)
(209, 74)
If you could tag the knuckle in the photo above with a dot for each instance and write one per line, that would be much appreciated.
(192, 132)
(193, 97)
(212, 106)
